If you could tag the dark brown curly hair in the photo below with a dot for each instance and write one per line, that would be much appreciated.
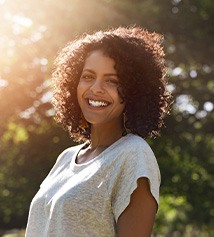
(140, 65)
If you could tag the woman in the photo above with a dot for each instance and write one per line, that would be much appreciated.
(110, 93)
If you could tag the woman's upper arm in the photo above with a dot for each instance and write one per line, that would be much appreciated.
(138, 218)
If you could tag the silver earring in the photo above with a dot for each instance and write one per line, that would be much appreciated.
(126, 130)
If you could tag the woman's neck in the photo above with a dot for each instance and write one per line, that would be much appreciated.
(104, 136)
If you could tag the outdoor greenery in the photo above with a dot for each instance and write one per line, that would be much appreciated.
(31, 34)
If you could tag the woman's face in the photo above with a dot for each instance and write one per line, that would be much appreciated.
(97, 91)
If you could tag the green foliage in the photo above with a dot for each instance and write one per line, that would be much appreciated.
(24, 164)
(32, 32)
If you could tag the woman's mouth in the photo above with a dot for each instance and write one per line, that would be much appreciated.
(97, 103)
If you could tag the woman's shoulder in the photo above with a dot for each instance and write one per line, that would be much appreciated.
(68, 152)
(135, 150)
(134, 142)
(137, 156)
(71, 149)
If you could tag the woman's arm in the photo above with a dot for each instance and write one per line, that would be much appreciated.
(138, 218)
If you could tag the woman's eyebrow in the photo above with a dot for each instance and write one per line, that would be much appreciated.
(88, 70)
(106, 74)
(111, 74)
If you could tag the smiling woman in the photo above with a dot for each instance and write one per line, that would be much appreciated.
(97, 92)
(110, 93)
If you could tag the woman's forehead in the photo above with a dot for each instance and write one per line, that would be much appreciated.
(98, 60)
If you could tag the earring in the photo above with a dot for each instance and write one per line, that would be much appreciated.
(126, 130)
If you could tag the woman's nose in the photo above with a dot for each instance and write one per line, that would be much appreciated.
(97, 87)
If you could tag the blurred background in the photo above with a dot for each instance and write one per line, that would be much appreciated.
(31, 34)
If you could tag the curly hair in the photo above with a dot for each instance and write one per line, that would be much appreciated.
(140, 65)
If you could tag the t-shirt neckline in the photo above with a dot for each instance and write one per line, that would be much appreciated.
(111, 147)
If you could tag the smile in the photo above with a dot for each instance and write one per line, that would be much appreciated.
(96, 103)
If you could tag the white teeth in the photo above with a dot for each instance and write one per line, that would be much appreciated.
(97, 103)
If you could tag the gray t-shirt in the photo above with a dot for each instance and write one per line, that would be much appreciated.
(86, 200)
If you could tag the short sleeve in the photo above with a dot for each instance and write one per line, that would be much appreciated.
(138, 161)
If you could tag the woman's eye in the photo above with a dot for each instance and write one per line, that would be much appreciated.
(112, 82)
(87, 77)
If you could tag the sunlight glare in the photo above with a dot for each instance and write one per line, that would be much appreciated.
(3, 83)
(36, 37)
(170, 87)
(193, 73)
(208, 106)
(21, 20)
(47, 97)
(27, 113)
(184, 104)
(177, 71)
